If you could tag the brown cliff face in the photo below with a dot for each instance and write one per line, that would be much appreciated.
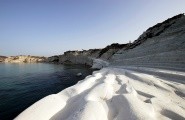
(25, 59)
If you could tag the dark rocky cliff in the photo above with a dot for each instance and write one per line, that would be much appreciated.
(86, 56)
(2, 58)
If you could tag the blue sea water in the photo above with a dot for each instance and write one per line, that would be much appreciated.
(21, 85)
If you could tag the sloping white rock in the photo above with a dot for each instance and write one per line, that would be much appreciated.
(116, 94)
(98, 63)
(164, 51)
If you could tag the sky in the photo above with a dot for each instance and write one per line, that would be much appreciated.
(51, 27)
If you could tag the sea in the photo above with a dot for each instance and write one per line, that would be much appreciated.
(23, 84)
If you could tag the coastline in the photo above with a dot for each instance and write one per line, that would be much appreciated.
(23, 84)
(144, 90)
(122, 92)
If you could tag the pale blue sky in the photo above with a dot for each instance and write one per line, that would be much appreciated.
(50, 27)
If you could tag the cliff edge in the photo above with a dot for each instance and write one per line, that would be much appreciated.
(161, 46)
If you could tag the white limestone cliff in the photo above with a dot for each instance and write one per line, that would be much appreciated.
(144, 80)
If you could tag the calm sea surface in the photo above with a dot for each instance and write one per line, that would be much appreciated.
(23, 84)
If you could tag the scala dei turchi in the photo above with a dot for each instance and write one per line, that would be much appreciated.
(143, 80)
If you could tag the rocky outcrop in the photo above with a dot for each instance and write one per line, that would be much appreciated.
(2, 58)
(25, 59)
(162, 45)
(107, 52)
(99, 64)
(87, 57)
(76, 57)
(53, 59)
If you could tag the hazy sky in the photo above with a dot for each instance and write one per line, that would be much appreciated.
(49, 27)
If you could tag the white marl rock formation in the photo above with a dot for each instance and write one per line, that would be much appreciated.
(144, 80)
(165, 49)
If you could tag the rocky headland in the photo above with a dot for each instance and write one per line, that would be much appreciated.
(24, 59)
(88, 57)
(159, 46)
